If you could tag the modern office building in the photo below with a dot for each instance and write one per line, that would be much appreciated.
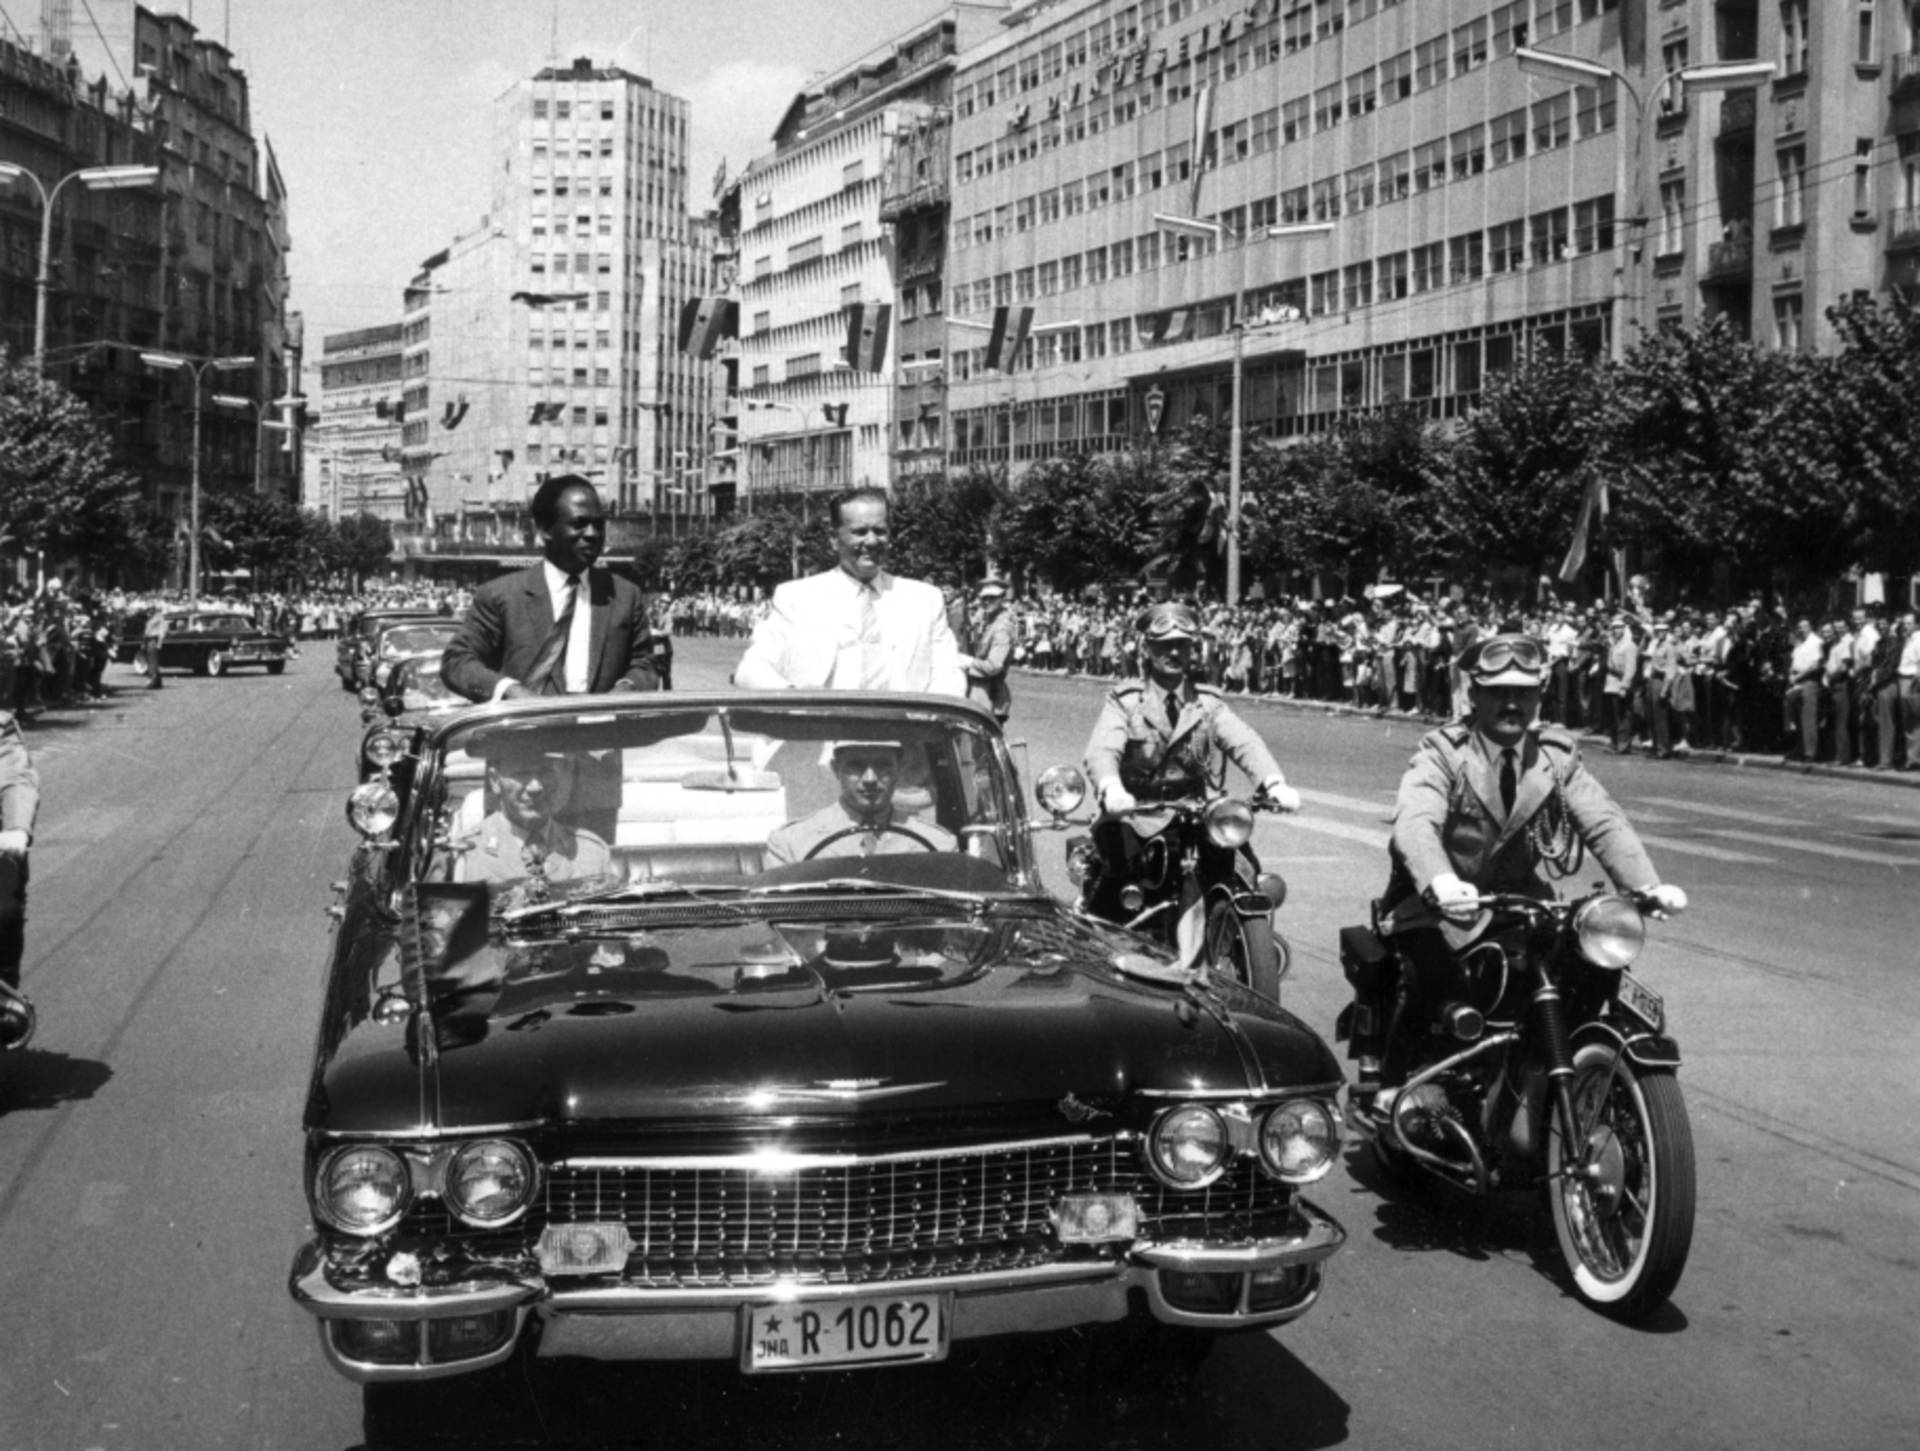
(1381, 200)
(543, 340)
(807, 228)
(353, 446)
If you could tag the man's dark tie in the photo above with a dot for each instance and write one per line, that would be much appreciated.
(549, 674)
(1509, 785)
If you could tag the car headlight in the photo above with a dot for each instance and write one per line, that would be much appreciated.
(1188, 1147)
(490, 1182)
(385, 747)
(1061, 789)
(362, 1190)
(1610, 930)
(1299, 1140)
(373, 808)
(1229, 823)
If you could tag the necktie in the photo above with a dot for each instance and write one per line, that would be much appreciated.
(873, 653)
(548, 675)
(1509, 785)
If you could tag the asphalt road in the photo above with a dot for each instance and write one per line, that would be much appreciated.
(149, 1152)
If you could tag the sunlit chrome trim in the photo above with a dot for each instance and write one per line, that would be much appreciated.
(1256, 1095)
(781, 1161)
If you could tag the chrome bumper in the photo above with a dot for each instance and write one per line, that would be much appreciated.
(612, 1322)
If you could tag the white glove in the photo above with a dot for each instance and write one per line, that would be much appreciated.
(1279, 794)
(1668, 901)
(1115, 798)
(13, 845)
(1457, 900)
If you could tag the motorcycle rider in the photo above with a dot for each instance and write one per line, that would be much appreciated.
(1162, 736)
(1485, 804)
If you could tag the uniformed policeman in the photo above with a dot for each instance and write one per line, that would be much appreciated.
(1486, 802)
(862, 820)
(1163, 736)
(525, 838)
(19, 804)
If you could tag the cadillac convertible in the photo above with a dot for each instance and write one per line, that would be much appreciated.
(741, 1028)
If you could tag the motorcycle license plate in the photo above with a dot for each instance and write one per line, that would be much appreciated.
(1642, 1002)
(883, 1330)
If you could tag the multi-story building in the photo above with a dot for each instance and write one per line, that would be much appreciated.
(543, 341)
(807, 226)
(353, 447)
(1144, 175)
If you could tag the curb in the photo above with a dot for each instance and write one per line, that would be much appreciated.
(1906, 779)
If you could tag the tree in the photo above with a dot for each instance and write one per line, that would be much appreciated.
(59, 489)
(944, 529)
(364, 545)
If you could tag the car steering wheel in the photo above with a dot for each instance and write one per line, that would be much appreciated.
(846, 831)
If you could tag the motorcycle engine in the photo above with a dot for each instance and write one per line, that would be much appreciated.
(1424, 1113)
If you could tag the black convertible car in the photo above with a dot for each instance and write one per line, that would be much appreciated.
(740, 1028)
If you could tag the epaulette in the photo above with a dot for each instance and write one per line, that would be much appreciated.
(1456, 735)
(1201, 688)
(1127, 687)
(1560, 738)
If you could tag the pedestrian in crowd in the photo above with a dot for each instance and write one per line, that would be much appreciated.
(990, 649)
(1802, 706)
(19, 805)
(855, 626)
(1621, 683)
(561, 627)
(1909, 672)
(1837, 683)
(153, 638)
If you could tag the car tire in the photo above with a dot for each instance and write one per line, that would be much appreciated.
(276, 667)
(215, 664)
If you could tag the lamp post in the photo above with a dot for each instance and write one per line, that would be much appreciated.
(93, 178)
(1725, 76)
(198, 369)
(1241, 327)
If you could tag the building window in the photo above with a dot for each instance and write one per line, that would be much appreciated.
(1505, 247)
(1429, 166)
(1593, 225)
(1466, 258)
(1507, 137)
(1393, 276)
(1789, 201)
(1363, 92)
(1467, 151)
(1326, 108)
(1430, 63)
(1863, 177)
(1867, 41)
(1359, 189)
(1793, 37)
(1357, 285)
(1510, 26)
(1429, 264)
(1673, 218)
(1294, 118)
(1553, 121)
(1470, 46)
(1596, 108)
(1786, 322)
(1396, 176)
(1396, 78)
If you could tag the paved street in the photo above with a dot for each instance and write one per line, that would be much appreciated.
(150, 1198)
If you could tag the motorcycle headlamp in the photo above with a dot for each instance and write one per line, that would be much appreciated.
(1229, 823)
(363, 1189)
(1188, 1147)
(373, 808)
(1610, 931)
(1060, 790)
(1299, 1140)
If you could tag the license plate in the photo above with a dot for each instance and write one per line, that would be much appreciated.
(884, 1330)
(1642, 1001)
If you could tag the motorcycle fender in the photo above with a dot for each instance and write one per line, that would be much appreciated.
(1648, 1050)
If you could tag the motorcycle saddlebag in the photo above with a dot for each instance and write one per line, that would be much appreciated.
(1366, 959)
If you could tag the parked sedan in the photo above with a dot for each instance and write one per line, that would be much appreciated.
(741, 1028)
(207, 642)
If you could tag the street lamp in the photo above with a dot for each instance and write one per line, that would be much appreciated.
(93, 178)
(1722, 76)
(261, 424)
(197, 368)
(1241, 327)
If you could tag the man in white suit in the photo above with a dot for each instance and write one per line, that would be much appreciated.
(855, 627)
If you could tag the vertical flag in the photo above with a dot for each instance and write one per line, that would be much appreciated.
(1009, 335)
(705, 322)
(1591, 520)
(1202, 126)
(867, 327)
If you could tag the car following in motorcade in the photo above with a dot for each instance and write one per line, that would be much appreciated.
(207, 641)
(406, 639)
(742, 1028)
(353, 658)
(411, 695)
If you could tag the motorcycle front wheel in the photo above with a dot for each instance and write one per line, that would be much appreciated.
(1246, 949)
(1623, 1210)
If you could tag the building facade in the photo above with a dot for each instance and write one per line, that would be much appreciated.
(807, 227)
(1120, 168)
(543, 341)
(353, 447)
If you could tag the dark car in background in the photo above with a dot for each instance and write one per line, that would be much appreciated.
(353, 659)
(207, 642)
(409, 695)
(742, 1085)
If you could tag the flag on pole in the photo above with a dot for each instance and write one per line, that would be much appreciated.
(1009, 335)
(1590, 521)
(1202, 143)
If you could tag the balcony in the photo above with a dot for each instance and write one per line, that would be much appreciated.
(1730, 260)
(1903, 229)
(1906, 72)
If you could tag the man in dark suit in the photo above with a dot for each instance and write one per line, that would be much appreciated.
(561, 627)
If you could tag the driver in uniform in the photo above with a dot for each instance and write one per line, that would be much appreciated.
(524, 837)
(862, 821)
(1163, 737)
(1484, 803)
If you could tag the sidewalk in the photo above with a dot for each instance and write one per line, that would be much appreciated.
(1909, 779)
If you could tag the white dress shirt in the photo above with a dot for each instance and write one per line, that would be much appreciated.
(574, 673)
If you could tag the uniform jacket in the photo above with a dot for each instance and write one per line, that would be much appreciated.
(810, 638)
(492, 852)
(511, 617)
(1448, 818)
(992, 652)
(1152, 753)
(792, 842)
(19, 782)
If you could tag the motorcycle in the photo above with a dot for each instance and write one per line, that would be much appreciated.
(1534, 1059)
(1193, 884)
(17, 1019)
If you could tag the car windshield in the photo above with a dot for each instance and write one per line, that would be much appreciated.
(745, 796)
(418, 639)
(210, 620)
(421, 687)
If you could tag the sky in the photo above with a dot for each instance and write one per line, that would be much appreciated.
(380, 111)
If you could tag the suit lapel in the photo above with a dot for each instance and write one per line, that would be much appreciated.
(539, 604)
